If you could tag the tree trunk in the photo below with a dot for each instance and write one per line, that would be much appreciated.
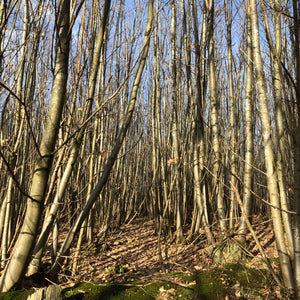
(215, 120)
(296, 11)
(113, 156)
(233, 112)
(23, 248)
(75, 147)
(248, 169)
(268, 151)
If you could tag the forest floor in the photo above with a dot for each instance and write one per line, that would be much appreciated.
(131, 252)
(130, 256)
(126, 266)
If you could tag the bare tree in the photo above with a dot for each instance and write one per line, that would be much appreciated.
(112, 158)
(296, 13)
(249, 104)
(23, 248)
(268, 150)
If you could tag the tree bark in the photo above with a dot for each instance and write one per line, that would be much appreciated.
(176, 167)
(233, 112)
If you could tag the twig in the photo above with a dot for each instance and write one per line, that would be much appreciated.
(186, 286)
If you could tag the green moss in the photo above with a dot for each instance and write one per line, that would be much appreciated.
(97, 291)
(249, 277)
(186, 277)
(209, 284)
(233, 280)
(16, 295)
(132, 290)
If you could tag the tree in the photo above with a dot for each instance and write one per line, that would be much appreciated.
(113, 156)
(74, 152)
(176, 128)
(296, 12)
(248, 170)
(268, 151)
(23, 248)
(215, 119)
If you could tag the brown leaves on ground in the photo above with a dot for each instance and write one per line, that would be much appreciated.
(132, 253)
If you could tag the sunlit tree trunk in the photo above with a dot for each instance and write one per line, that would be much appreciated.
(19, 126)
(113, 156)
(296, 12)
(23, 248)
(215, 120)
(233, 112)
(155, 184)
(272, 181)
(161, 164)
(87, 226)
(249, 103)
(175, 127)
(276, 58)
(201, 217)
(281, 151)
(75, 148)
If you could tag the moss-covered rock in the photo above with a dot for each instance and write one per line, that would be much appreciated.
(233, 280)
(228, 251)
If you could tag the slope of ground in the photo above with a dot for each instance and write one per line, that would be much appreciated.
(132, 253)
(126, 266)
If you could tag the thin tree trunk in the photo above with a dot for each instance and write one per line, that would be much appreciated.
(92, 170)
(25, 243)
(215, 120)
(275, 53)
(233, 112)
(198, 125)
(268, 151)
(113, 156)
(248, 169)
(74, 149)
(296, 12)
(175, 127)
